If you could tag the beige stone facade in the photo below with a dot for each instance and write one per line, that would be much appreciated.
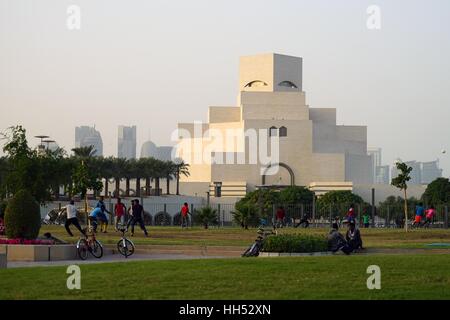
(312, 148)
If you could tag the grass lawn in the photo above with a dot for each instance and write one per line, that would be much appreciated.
(329, 277)
(379, 238)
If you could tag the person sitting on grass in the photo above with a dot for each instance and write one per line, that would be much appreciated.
(336, 241)
(353, 237)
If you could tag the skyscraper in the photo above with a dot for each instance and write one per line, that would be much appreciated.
(430, 171)
(87, 136)
(375, 157)
(126, 142)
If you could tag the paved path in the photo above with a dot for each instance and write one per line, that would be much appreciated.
(106, 259)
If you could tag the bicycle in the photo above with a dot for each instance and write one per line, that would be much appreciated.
(124, 245)
(89, 243)
(255, 248)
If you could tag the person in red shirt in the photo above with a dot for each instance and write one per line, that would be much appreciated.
(281, 214)
(184, 215)
(351, 213)
(119, 212)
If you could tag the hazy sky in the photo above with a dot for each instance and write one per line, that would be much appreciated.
(156, 63)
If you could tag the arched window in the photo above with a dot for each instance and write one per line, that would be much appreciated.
(273, 131)
(288, 84)
(283, 131)
(256, 83)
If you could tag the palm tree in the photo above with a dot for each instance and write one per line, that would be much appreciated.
(181, 168)
(138, 173)
(84, 152)
(119, 167)
(106, 167)
(206, 216)
(169, 171)
(159, 168)
(129, 174)
(149, 171)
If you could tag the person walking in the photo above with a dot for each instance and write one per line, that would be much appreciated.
(366, 219)
(119, 212)
(137, 217)
(71, 218)
(184, 215)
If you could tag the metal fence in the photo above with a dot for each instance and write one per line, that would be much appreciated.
(385, 216)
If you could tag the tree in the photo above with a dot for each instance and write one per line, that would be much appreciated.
(27, 169)
(119, 167)
(338, 197)
(22, 216)
(181, 168)
(295, 195)
(84, 152)
(206, 216)
(158, 173)
(246, 215)
(84, 179)
(169, 171)
(401, 182)
(437, 192)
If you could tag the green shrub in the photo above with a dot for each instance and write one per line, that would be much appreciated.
(205, 216)
(295, 243)
(22, 216)
(246, 215)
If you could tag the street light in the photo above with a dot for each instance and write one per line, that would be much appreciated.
(48, 142)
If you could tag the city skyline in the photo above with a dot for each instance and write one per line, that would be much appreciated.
(398, 70)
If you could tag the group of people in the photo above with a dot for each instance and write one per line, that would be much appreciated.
(348, 244)
(99, 216)
(423, 214)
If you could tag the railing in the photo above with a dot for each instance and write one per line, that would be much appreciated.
(385, 216)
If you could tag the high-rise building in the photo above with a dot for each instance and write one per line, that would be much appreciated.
(382, 175)
(430, 171)
(416, 173)
(87, 136)
(126, 142)
(150, 149)
(375, 157)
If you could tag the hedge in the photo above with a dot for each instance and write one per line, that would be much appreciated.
(295, 243)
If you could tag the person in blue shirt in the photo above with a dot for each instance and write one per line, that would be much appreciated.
(94, 216)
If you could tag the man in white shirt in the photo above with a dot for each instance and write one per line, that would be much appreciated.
(71, 211)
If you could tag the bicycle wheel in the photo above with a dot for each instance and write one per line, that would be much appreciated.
(125, 247)
(97, 249)
(82, 248)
